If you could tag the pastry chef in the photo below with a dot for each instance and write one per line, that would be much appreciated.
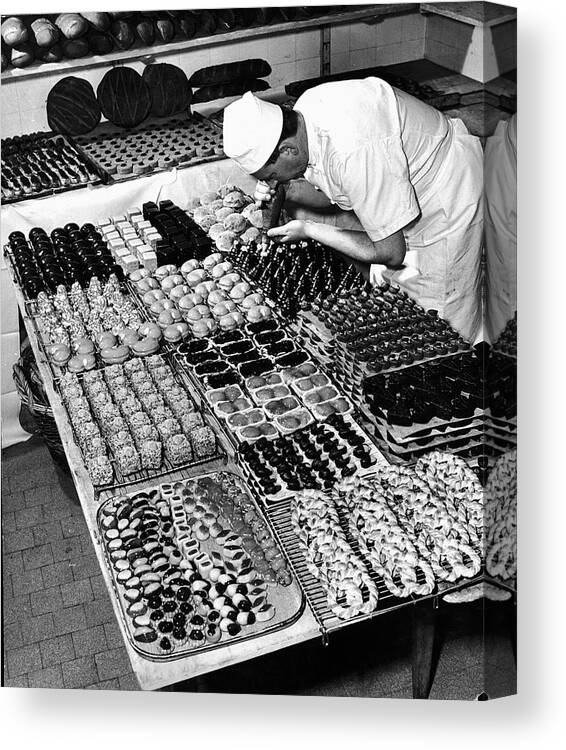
(378, 176)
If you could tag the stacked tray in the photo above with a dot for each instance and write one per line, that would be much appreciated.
(465, 404)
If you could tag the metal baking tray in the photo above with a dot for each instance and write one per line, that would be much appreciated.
(289, 601)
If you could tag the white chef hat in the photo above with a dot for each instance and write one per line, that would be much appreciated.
(252, 128)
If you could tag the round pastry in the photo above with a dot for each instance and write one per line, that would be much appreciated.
(228, 322)
(221, 309)
(235, 200)
(212, 260)
(115, 355)
(226, 240)
(252, 300)
(83, 345)
(228, 281)
(128, 336)
(195, 277)
(146, 284)
(235, 222)
(190, 265)
(154, 295)
(205, 288)
(215, 297)
(176, 332)
(179, 291)
(250, 235)
(223, 213)
(139, 274)
(170, 282)
(200, 328)
(106, 339)
(254, 314)
(150, 329)
(265, 311)
(221, 269)
(198, 312)
(158, 306)
(169, 316)
(144, 347)
(163, 271)
(81, 362)
(60, 354)
(207, 198)
(207, 221)
(240, 290)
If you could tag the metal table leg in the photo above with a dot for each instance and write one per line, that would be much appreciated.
(423, 636)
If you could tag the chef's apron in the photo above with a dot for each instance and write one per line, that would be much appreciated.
(501, 226)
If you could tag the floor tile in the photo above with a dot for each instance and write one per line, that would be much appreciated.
(52, 677)
(35, 629)
(37, 556)
(17, 540)
(69, 619)
(27, 582)
(57, 573)
(28, 517)
(47, 532)
(76, 592)
(90, 641)
(13, 562)
(114, 663)
(106, 685)
(57, 650)
(79, 672)
(23, 660)
(48, 600)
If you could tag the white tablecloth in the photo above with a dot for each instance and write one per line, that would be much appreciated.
(90, 204)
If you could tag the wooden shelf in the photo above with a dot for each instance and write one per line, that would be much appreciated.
(371, 13)
(474, 13)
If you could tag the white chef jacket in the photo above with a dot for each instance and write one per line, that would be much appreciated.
(398, 163)
(501, 226)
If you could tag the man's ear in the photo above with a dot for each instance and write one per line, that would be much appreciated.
(288, 148)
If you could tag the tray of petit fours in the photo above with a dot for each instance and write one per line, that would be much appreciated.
(156, 145)
(195, 566)
(136, 420)
(41, 164)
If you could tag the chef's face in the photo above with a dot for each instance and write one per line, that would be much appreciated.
(290, 165)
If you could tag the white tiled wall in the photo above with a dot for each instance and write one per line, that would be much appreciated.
(479, 53)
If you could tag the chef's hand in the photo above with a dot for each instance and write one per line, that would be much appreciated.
(263, 194)
(293, 231)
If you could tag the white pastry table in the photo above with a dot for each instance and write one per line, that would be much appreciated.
(94, 203)
(81, 206)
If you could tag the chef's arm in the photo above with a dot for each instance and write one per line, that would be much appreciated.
(358, 246)
(301, 194)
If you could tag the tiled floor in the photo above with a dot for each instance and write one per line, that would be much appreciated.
(59, 628)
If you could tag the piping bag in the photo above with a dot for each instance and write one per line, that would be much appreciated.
(271, 212)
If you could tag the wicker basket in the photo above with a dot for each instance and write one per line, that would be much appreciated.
(30, 389)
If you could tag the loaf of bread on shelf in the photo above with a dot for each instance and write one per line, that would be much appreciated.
(230, 72)
(72, 25)
(22, 55)
(122, 33)
(14, 32)
(45, 33)
(209, 93)
(75, 48)
(99, 21)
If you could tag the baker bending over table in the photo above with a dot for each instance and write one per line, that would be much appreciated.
(380, 177)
